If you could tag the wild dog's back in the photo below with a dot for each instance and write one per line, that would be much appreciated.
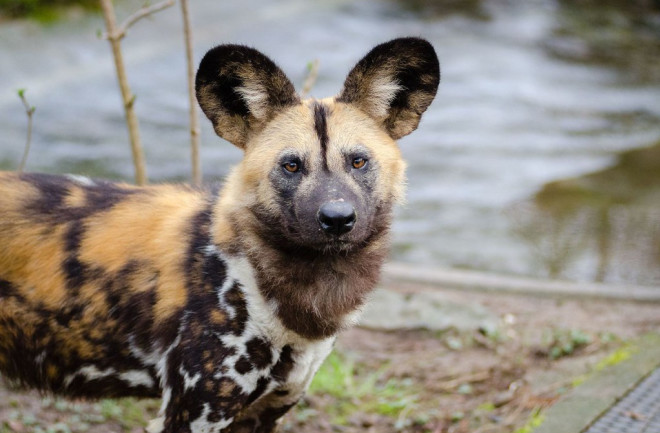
(87, 269)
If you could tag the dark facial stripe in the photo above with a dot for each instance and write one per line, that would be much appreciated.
(321, 127)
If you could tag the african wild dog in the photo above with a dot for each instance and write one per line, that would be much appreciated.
(223, 302)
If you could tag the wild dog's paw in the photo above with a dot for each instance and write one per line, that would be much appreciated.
(394, 84)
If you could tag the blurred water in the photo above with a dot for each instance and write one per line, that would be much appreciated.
(525, 99)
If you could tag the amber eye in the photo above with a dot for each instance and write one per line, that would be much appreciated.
(291, 166)
(359, 162)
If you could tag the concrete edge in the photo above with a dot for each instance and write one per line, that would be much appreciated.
(584, 404)
(487, 282)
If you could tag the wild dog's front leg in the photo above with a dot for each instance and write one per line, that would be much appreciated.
(198, 398)
(213, 373)
(203, 391)
(208, 388)
(291, 376)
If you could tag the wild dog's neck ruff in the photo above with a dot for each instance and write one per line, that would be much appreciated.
(314, 293)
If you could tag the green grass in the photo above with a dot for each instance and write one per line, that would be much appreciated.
(564, 342)
(72, 417)
(357, 390)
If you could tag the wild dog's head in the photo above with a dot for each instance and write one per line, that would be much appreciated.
(318, 174)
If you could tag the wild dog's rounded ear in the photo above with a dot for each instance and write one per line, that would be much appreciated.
(240, 90)
(394, 83)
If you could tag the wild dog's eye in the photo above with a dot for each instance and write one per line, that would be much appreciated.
(359, 162)
(291, 166)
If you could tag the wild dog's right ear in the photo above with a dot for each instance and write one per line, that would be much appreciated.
(394, 84)
(240, 90)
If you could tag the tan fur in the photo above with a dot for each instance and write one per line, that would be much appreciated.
(225, 302)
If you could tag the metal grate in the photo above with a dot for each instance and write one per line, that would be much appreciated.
(637, 412)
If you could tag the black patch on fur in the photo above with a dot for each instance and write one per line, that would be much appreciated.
(259, 352)
(321, 128)
(243, 365)
(205, 271)
(73, 237)
(8, 290)
(284, 365)
(50, 206)
(225, 90)
(268, 418)
(53, 189)
(75, 272)
(262, 383)
(103, 195)
(234, 297)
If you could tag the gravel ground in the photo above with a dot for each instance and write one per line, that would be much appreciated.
(492, 379)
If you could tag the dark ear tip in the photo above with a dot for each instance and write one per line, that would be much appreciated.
(414, 46)
(218, 56)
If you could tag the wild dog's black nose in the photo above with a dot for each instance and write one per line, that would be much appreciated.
(336, 217)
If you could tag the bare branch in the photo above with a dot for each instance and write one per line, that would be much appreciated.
(143, 13)
(193, 118)
(312, 75)
(120, 31)
(29, 110)
(127, 96)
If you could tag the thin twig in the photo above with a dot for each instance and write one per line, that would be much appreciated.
(312, 75)
(120, 32)
(29, 110)
(127, 96)
(193, 118)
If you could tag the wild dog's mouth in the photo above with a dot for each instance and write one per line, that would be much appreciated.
(336, 246)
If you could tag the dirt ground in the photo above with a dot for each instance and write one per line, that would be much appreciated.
(482, 381)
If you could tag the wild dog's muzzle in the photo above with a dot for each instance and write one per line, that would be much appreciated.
(337, 217)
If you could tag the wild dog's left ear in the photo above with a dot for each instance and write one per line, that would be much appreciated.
(240, 90)
(394, 83)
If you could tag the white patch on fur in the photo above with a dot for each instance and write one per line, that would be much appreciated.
(81, 180)
(263, 315)
(256, 98)
(353, 317)
(383, 90)
(188, 381)
(229, 282)
(309, 355)
(137, 378)
(307, 364)
(165, 397)
(131, 377)
(90, 372)
(161, 368)
(39, 359)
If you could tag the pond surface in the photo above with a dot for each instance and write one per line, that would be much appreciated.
(533, 93)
